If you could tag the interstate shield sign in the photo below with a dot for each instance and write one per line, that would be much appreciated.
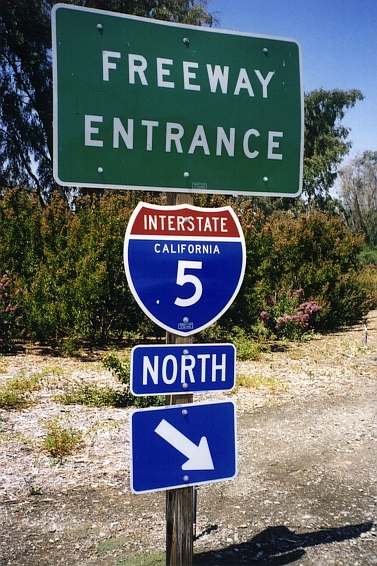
(184, 264)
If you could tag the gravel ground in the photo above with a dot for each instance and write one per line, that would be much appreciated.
(306, 491)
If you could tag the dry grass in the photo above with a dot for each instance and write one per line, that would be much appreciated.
(104, 425)
(296, 354)
(10, 437)
(261, 382)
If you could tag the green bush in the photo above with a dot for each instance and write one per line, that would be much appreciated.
(68, 264)
(247, 348)
(313, 254)
(249, 345)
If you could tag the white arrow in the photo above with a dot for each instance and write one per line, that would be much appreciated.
(199, 457)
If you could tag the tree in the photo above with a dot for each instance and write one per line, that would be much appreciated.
(359, 194)
(326, 144)
(326, 141)
(26, 79)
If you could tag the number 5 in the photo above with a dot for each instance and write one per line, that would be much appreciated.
(183, 278)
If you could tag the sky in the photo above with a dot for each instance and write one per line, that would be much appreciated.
(338, 40)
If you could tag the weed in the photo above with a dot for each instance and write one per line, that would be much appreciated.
(26, 383)
(120, 368)
(111, 544)
(53, 376)
(214, 333)
(295, 354)
(12, 399)
(309, 336)
(60, 441)
(35, 490)
(15, 392)
(368, 255)
(106, 425)
(3, 365)
(249, 343)
(94, 396)
(362, 349)
(260, 382)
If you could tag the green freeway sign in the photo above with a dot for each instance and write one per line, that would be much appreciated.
(144, 104)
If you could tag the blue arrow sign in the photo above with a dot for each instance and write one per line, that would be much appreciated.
(184, 264)
(182, 445)
(180, 368)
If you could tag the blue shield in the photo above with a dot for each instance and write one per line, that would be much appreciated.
(184, 280)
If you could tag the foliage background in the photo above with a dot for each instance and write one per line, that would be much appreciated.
(64, 267)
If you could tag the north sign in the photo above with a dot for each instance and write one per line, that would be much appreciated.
(182, 368)
(184, 264)
(182, 445)
(146, 104)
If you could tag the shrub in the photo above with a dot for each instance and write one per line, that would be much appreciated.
(122, 371)
(60, 441)
(312, 252)
(15, 393)
(247, 348)
(288, 317)
(12, 398)
(66, 263)
(260, 382)
(70, 347)
(95, 396)
(367, 278)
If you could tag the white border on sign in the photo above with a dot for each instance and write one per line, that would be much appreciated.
(180, 207)
(235, 191)
(188, 390)
(184, 406)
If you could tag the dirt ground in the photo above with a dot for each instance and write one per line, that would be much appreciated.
(306, 492)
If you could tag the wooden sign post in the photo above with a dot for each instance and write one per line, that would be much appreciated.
(179, 502)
